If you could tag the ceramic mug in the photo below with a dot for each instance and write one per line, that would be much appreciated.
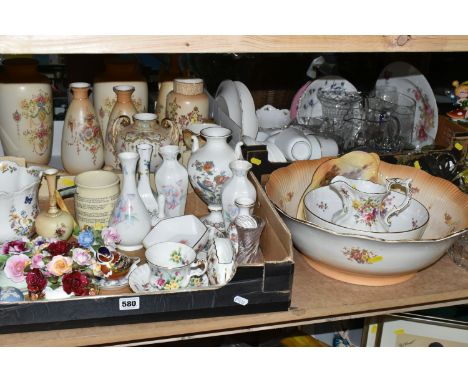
(222, 261)
(173, 264)
(96, 193)
(294, 144)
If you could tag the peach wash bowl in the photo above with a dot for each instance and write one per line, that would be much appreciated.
(363, 260)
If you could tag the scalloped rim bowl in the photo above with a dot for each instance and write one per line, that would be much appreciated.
(364, 260)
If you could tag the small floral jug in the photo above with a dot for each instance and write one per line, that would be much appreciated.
(365, 204)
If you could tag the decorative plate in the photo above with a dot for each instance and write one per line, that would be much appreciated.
(228, 99)
(309, 106)
(408, 80)
(296, 98)
(249, 117)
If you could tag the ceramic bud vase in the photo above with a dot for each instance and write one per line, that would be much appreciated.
(54, 223)
(118, 72)
(145, 130)
(165, 88)
(172, 181)
(214, 218)
(82, 144)
(144, 187)
(130, 217)
(119, 118)
(187, 103)
(236, 187)
(26, 111)
(208, 167)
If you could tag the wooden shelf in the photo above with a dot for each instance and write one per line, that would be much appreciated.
(229, 43)
(316, 298)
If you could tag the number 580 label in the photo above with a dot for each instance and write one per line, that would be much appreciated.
(129, 303)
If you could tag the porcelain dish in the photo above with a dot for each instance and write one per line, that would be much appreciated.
(185, 229)
(269, 117)
(323, 203)
(309, 106)
(409, 81)
(228, 99)
(363, 260)
(249, 124)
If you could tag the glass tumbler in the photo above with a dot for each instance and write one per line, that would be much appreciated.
(248, 241)
(458, 252)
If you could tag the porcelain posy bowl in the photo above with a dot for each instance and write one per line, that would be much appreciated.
(185, 229)
(18, 200)
(364, 260)
(323, 203)
(270, 117)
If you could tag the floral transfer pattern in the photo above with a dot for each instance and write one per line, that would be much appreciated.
(108, 104)
(85, 136)
(426, 114)
(175, 195)
(21, 222)
(361, 256)
(207, 181)
(124, 211)
(6, 167)
(38, 119)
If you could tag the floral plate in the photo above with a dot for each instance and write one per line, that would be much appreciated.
(309, 105)
(409, 81)
(140, 281)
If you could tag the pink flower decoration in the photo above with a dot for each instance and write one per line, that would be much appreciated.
(82, 256)
(14, 267)
(60, 265)
(37, 261)
(110, 236)
(161, 282)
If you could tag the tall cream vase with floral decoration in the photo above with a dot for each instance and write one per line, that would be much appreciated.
(82, 143)
(26, 111)
(187, 103)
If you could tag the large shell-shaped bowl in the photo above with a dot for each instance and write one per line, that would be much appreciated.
(364, 260)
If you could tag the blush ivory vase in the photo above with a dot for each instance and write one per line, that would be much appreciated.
(119, 118)
(82, 143)
(187, 103)
(26, 111)
(165, 88)
(146, 130)
(208, 167)
(172, 181)
(118, 72)
(236, 187)
(54, 223)
(130, 217)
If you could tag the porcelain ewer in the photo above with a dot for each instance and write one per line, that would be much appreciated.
(364, 202)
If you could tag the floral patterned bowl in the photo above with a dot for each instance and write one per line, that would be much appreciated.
(364, 260)
(18, 200)
(323, 203)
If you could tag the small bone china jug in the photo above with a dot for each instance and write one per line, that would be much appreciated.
(365, 204)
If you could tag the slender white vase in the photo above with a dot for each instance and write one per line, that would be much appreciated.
(130, 217)
(172, 181)
(236, 187)
(144, 187)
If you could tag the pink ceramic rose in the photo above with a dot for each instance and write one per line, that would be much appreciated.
(82, 256)
(37, 261)
(60, 265)
(14, 267)
(110, 236)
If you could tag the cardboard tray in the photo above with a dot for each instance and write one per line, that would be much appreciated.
(265, 287)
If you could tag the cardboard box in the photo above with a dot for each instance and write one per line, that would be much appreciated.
(263, 287)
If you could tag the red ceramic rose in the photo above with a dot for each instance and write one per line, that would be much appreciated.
(76, 282)
(36, 281)
(60, 247)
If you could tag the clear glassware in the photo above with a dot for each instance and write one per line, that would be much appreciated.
(248, 240)
(458, 252)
